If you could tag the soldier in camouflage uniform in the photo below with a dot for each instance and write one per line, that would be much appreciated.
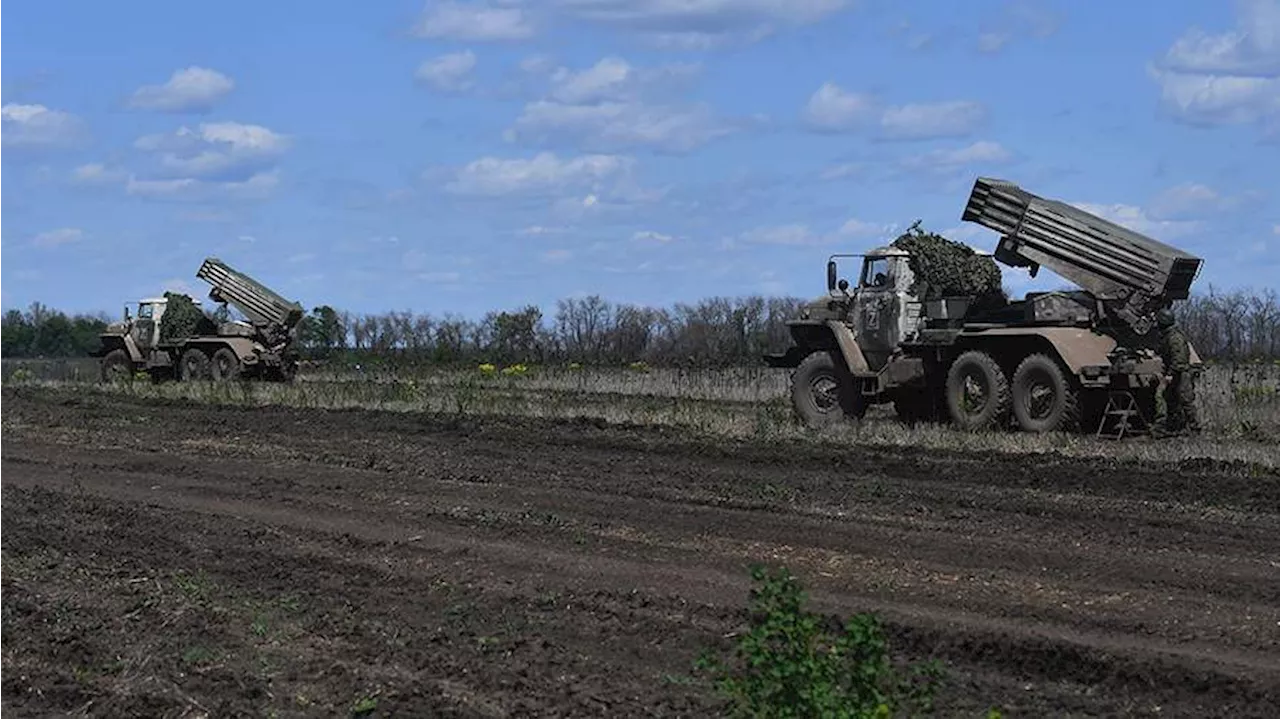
(1179, 413)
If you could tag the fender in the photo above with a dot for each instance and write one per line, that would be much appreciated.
(1076, 347)
(112, 342)
(848, 344)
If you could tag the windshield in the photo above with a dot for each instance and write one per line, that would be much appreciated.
(145, 311)
(875, 272)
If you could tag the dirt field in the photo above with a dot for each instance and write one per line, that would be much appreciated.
(185, 560)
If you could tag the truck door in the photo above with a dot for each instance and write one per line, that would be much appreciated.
(146, 326)
(876, 310)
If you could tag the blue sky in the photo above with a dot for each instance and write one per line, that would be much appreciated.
(456, 157)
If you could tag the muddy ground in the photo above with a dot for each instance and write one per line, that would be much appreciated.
(187, 560)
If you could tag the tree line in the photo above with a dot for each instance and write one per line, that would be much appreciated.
(718, 331)
(1241, 325)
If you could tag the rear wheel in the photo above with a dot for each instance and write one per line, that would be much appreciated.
(116, 366)
(193, 366)
(1044, 398)
(977, 392)
(822, 391)
(226, 365)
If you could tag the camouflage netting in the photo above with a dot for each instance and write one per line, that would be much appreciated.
(182, 319)
(944, 268)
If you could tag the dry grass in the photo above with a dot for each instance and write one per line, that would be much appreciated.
(1240, 408)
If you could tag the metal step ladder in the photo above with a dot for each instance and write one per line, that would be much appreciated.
(1123, 415)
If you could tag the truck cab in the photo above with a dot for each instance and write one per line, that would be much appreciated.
(881, 310)
(145, 328)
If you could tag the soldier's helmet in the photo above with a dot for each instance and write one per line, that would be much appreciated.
(1164, 318)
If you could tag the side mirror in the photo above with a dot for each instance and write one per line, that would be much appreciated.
(126, 313)
(831, 275)
(843, 284)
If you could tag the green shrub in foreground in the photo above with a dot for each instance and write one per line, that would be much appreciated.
(789, 665)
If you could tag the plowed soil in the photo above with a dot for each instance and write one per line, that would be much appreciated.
(184, 560)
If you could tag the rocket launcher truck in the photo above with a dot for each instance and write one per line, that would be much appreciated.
(1069, 360)
(165, 339)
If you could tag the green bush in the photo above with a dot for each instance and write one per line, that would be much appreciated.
(944, 268)
(182, 319)
(789, 664)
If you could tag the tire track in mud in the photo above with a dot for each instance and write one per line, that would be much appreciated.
(1110, 602)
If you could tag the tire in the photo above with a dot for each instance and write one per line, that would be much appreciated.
(1044, 397)
(985, 373)
(226, 366)
(193, 366)
(822, 392)
(117, 367)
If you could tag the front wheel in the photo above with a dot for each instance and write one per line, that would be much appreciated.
(117, 367)
(822, 391)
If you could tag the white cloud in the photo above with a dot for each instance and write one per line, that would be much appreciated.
(957, 118)
(604, 80)
(188, 189)
(801, 235)
(992, 42)
(38, 126)
(448, 73)
(967, 233)
(613, 78)
(983, 152)
(857, 229)
(1228, 78)
(1204, 99)
(440, 278)
(842, 171)
(612, 106)
(537, 64)
(192, 89)
(833, 108)
(218, 150)
(1253, 48)
(609, 126)
(1019, 18)
(473, 21)
(1275, 229)
(541, 230)
(651, 236)
(96, 173)
(557, 256)
(1189, 201)
(54, 238)
(1137, 219)
(544, 173)
(676, 24)
(698, 24)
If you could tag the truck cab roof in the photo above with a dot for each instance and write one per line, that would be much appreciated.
(161, 301)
